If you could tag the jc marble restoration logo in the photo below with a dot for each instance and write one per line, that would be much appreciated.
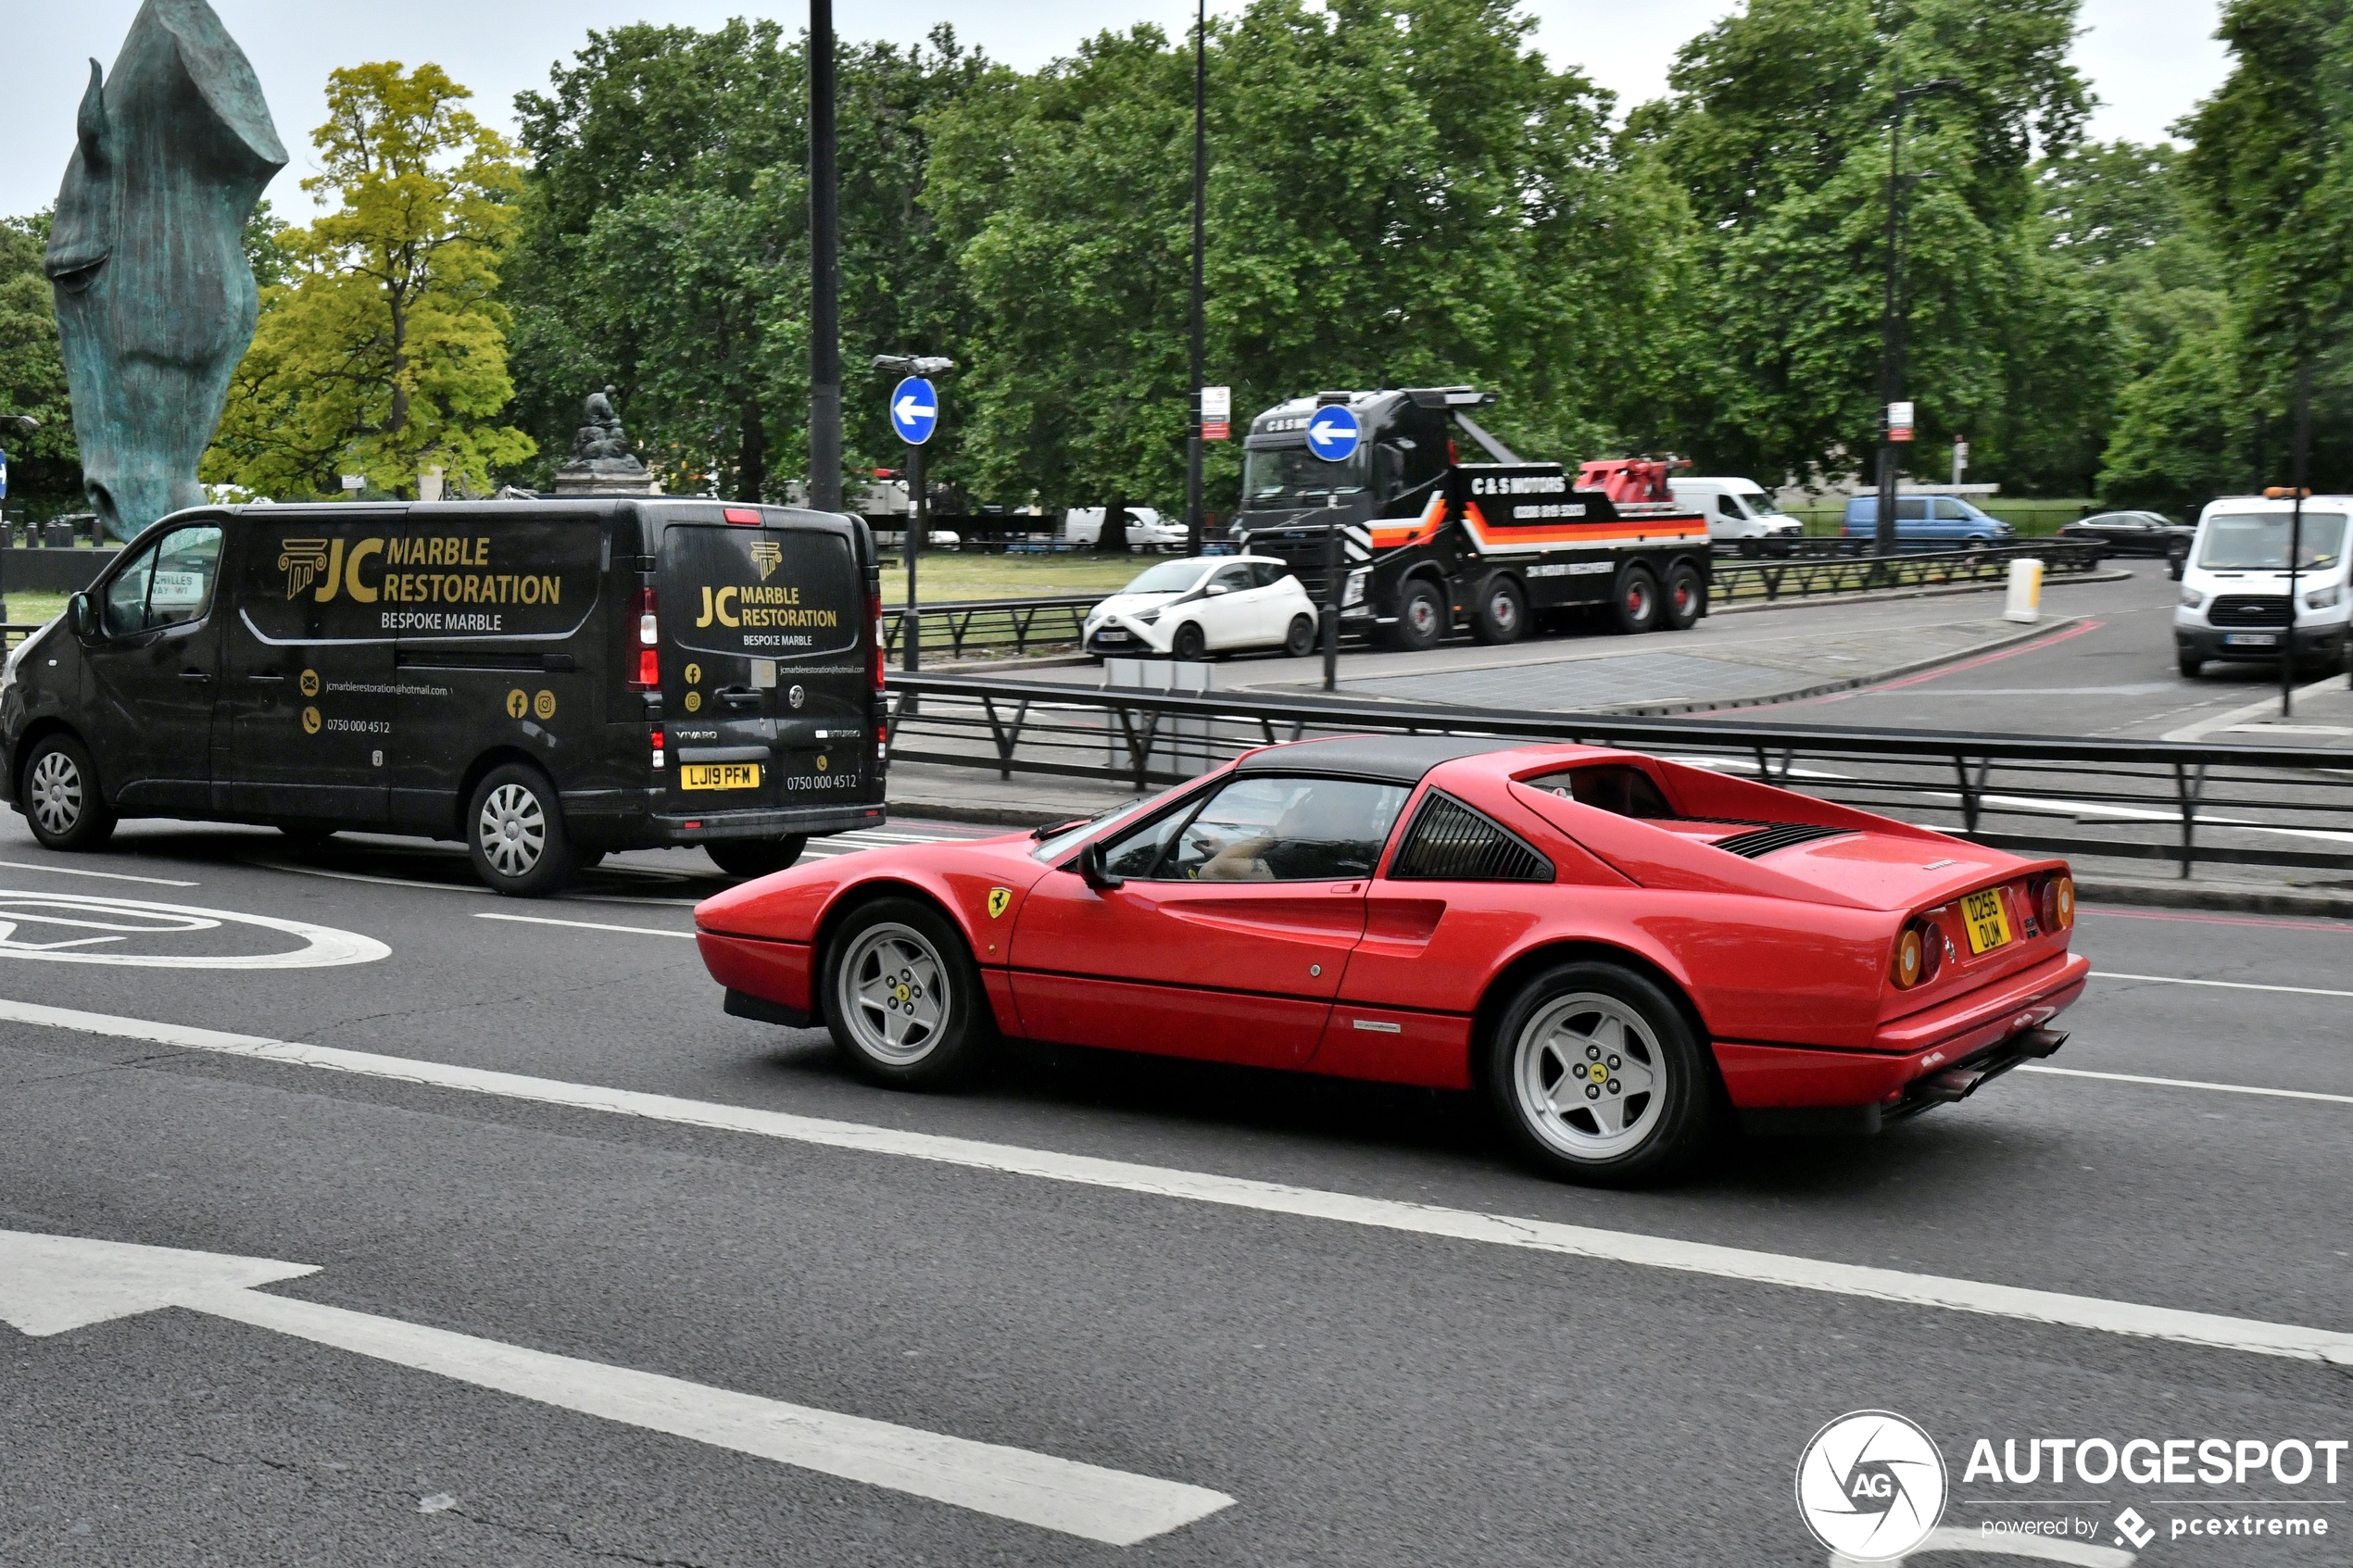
(1871, 1486)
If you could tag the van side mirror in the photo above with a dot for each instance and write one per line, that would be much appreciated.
(79, 617)
(1091, 870)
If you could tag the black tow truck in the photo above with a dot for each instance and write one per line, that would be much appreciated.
(1427, 542)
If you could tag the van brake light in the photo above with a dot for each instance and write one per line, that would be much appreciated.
(742, 514)
(649, 640)
(659, 753)
(882, 661)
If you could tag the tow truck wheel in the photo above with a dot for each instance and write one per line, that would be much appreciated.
(1636, 604)
(1301, 640)
(1686, 595)
(1421, 617)
(755, 856)
(515, 832)
(1502, 613)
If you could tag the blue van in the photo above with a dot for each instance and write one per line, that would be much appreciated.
(1928, 520)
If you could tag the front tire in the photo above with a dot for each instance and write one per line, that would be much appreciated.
(755, 856)
(2190, 664)
(1421, 617)
(1597, 1077)
(1299, 640)
(1637, 602)
(515, 832)
(1190, 646)
(1502, 613)
(62, 801)
(903, 998)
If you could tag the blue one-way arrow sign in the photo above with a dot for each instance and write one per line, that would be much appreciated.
(1333, 433)
(915, 410)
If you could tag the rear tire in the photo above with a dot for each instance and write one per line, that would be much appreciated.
(62, 801)
(515, 832)
(755, 856)
(1636, 605)
(1299, 640)
(1190, 646)
(1686, 597)
(1421, 617)
(1597, 1077)
(903, 998)
(1502, 613)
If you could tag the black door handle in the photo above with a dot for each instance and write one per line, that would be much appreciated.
(739, 697)
(267, 675)
(194, 676)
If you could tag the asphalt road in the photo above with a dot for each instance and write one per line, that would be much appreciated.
(1364, 1392)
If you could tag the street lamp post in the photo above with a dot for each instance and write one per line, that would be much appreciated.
(1199, 351)
(824, 277)
(1892, 312)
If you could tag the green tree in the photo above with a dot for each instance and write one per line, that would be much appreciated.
(44, 467)
(386, 352)
(665, 244)
(1777, 129)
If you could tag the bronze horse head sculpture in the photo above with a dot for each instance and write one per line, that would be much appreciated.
(156, 299)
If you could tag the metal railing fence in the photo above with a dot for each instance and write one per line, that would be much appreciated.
(2282, 807)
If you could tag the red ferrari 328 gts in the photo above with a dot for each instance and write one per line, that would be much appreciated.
(1615, 949)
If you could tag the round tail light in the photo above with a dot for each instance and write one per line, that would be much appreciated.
(2055, 903)
(1920, 953)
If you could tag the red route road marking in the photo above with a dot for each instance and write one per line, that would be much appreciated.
(1942, 671)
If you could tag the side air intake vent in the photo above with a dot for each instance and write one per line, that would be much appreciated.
(1778, 835)
(1450, 842)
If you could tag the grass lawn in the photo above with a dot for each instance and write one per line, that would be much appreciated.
(31, 610)
(944, 575)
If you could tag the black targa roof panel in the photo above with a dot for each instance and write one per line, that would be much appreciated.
(1383, 758)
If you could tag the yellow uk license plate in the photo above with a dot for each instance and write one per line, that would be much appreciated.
(719, 775)
(1989, 925)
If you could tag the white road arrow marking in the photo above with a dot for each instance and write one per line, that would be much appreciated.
(52, 1284)
(908, 410)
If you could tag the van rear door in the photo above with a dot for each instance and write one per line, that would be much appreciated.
(766, 679)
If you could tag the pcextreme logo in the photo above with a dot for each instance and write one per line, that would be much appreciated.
(1871, 1485)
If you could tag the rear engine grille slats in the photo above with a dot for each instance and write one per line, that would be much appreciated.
(2249, 610)
(1777, 835)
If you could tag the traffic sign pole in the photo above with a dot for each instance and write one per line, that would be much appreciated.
(1334, 435)
(912, 622)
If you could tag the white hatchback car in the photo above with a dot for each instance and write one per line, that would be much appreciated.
(1209, 604)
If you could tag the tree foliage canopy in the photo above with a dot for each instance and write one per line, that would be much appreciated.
(385, 352)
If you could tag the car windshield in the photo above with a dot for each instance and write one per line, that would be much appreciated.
(1168, 577)
(2259, 541)
(1051, 849)
(1292, 476)
(1760, 503)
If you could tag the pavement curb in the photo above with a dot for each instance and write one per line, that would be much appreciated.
(2240, 897)
(964, 811)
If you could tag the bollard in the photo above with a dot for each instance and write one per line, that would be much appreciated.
(2025, 600)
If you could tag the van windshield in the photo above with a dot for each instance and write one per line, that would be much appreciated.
(1292, 476)
(2259, 541)
(1760, 503)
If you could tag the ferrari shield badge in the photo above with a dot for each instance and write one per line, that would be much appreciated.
(998, 898)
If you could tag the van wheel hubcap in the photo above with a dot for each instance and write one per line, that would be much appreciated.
(893, 995)
(56, 792)
(513, 830)
(1590, 1076)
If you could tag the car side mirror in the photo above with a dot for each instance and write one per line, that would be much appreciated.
(1092, 871)
(1217, 588)
(79, 617)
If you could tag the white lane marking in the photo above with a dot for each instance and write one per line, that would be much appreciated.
(2208, 1329)
(2222, 984)
(2189, 1083)
(469, 887)
(129, 920)
(111, 876)
(53, 1284)
(584, 925)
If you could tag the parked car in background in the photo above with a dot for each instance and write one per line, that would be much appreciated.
(2134, 533)
(1739, 512)
(1208, 604)
(1928, 520)
(1146, 527)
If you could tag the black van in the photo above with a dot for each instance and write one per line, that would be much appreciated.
(545, 680)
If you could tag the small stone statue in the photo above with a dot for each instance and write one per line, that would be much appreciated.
(601, 462)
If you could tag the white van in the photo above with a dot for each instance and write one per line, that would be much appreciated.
(1739, 510)
(1146, 530)
(2234, 585)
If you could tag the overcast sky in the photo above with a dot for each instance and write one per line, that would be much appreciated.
(2149, 60)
